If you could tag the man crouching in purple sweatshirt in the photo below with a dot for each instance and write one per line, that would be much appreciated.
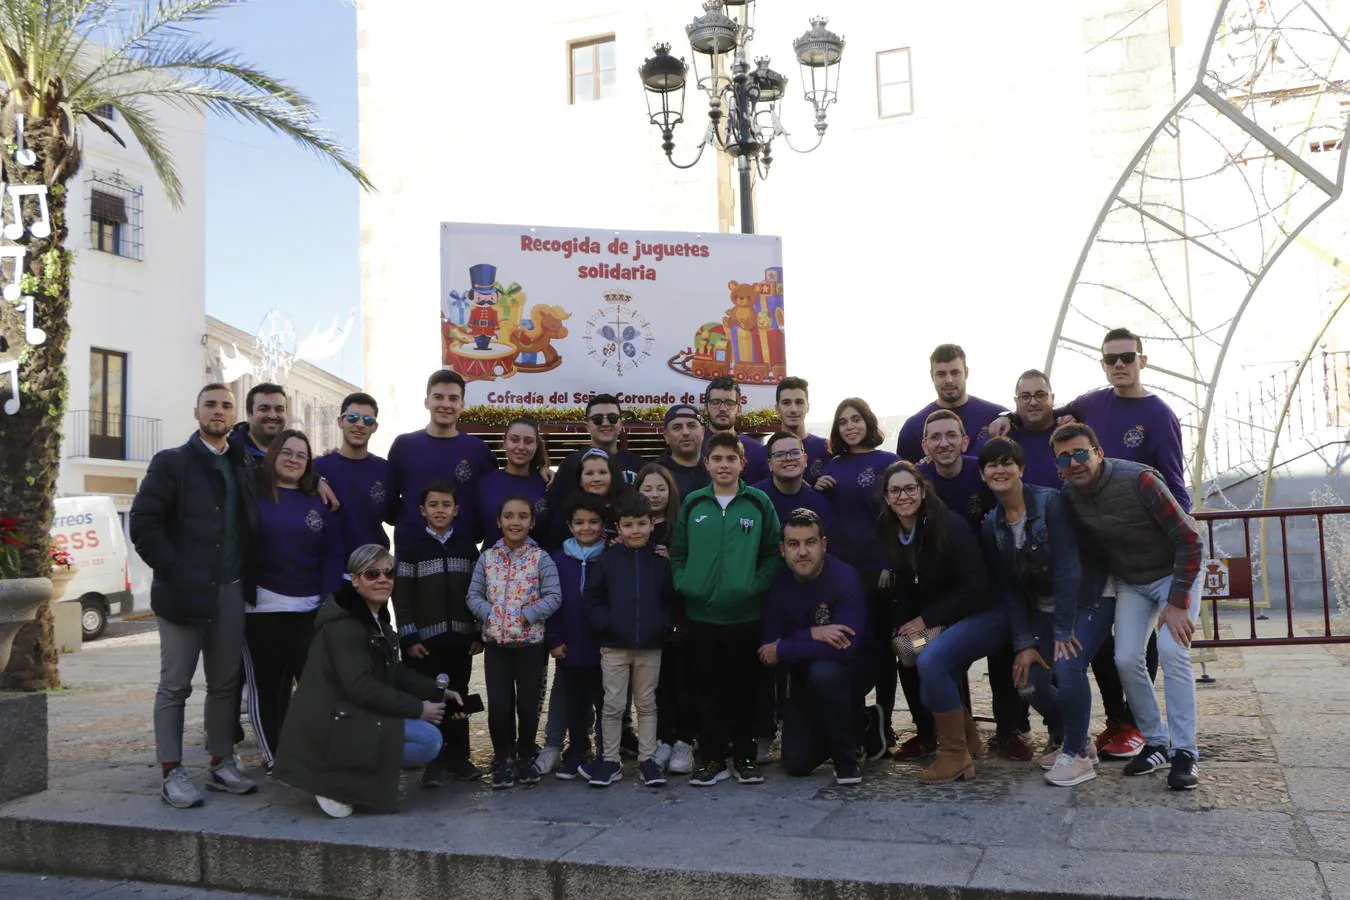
(814, 618)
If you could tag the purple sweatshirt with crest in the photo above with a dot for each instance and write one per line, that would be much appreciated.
(297, 549)
(362, 487)
(965, 493)
(417, 458)
(1140, 429)
(856, 500)
(976, 414)
(793, 607)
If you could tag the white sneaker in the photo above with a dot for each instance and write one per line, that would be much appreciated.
(547, 760)
(1070, 770)
(681, 759)
(663, 754)
(334, 809)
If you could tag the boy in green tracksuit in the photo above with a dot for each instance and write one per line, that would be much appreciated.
(724, 554)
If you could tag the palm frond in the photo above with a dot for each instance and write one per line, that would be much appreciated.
(145, 129)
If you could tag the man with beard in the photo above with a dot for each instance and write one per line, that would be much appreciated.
(265, 406)
(191, 521)
(683, 458)
(722, 405)
(947, 368)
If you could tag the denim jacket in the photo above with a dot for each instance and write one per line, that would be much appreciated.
(1050, 560)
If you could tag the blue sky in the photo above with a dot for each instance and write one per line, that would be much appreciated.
(282, 229)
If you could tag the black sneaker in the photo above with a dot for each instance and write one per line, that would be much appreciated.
(651, 773)
(1150, 759)
(847, 772)
(628, 743)
(1185, 774)
(527, 772)
(709, 774)
(874, 735)
(503, 775)
(747, 772)
(464, 770)
(604, 773)
(433, 776)
(570, 769)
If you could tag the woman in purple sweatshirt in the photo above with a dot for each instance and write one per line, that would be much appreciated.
(526, 458)
(296, 562)
(852, 479)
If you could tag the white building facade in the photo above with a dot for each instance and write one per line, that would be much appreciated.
(137, 308)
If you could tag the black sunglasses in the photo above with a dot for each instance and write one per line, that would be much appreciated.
(1127, 358)
(377, 574)
(1080, 456)
(604, 418)
(353, 418)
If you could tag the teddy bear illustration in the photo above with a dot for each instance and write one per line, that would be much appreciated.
(742, 318)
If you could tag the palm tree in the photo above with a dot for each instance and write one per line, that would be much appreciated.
(64, 63)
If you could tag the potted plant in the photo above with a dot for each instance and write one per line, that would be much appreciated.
(63, 569)
(19, 597)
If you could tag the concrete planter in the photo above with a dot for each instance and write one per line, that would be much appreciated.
(19, 602)
(60, 577)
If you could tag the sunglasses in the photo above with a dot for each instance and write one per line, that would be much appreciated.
(377, 574)
(353, 418)
(604, 419)
(1128, 358)
(1080, 456)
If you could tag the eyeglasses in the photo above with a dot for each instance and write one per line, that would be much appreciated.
(288, 453)
(1127, 358)
(377, 574)
(353, 418)
(722, 404)
(1080, 456)
(946, 437)
(902, 490)
(604, 419)
(1039, 396)
(780, 455)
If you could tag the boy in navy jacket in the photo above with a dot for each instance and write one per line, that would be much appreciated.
(630, 598)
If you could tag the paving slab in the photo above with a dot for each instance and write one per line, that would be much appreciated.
(57, 887)
(1262, 823)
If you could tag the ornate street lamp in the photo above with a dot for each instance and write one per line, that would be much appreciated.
(743, 107)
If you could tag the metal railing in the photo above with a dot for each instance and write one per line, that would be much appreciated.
(94, 434)
(1283, 578)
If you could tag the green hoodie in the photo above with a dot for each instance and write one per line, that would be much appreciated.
(725, 561)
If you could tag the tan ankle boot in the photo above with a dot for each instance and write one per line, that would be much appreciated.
(974, 745)
(953, 759)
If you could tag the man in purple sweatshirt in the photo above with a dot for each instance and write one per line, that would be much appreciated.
(438, 452)
(357, 476)
(947, 368)
(1035, 401)
(792, 403)
(814, 618)
(722, 406)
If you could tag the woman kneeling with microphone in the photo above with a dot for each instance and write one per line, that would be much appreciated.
(359, 715)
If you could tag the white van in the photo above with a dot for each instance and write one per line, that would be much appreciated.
(91, 531)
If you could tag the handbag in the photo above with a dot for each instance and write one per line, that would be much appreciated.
(907, 648)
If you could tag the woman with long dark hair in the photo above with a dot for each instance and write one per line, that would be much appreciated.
(945, 612)
(852, 481)
(296, 562)
(526, 454)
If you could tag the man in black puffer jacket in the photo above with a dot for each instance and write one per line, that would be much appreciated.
(191, 522)
(630, 598)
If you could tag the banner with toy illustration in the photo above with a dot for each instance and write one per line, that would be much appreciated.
(549, 316)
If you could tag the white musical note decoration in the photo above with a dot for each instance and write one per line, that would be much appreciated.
(31, 333)
(11, 290)
(12, 370)
(39, 229)
(23, 155)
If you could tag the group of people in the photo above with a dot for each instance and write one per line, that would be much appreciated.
(696, 608)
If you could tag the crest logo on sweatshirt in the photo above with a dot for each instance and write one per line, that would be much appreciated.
(823, 615)
(377, 492)
(314, 521)
(817, 468)
(1134, 437)
(867, 477)
(973, 505)
(747, 524)
(464, 471)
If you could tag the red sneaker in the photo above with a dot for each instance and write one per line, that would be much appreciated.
(1107, 735)
(1124, 744)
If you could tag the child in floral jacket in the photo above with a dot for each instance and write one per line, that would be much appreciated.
(514, 589)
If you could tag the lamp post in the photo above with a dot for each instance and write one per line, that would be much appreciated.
(743, 108)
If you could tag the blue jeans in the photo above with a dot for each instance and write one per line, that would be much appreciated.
(421, 743)
(820, 714)
(944, 662)
(1066, 703)
(1138, 607)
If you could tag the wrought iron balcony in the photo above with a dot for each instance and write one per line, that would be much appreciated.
(94, 434)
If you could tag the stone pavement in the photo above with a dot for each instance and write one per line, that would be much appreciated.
(1271, 817)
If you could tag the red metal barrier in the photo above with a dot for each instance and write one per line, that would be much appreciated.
(1208, 518)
